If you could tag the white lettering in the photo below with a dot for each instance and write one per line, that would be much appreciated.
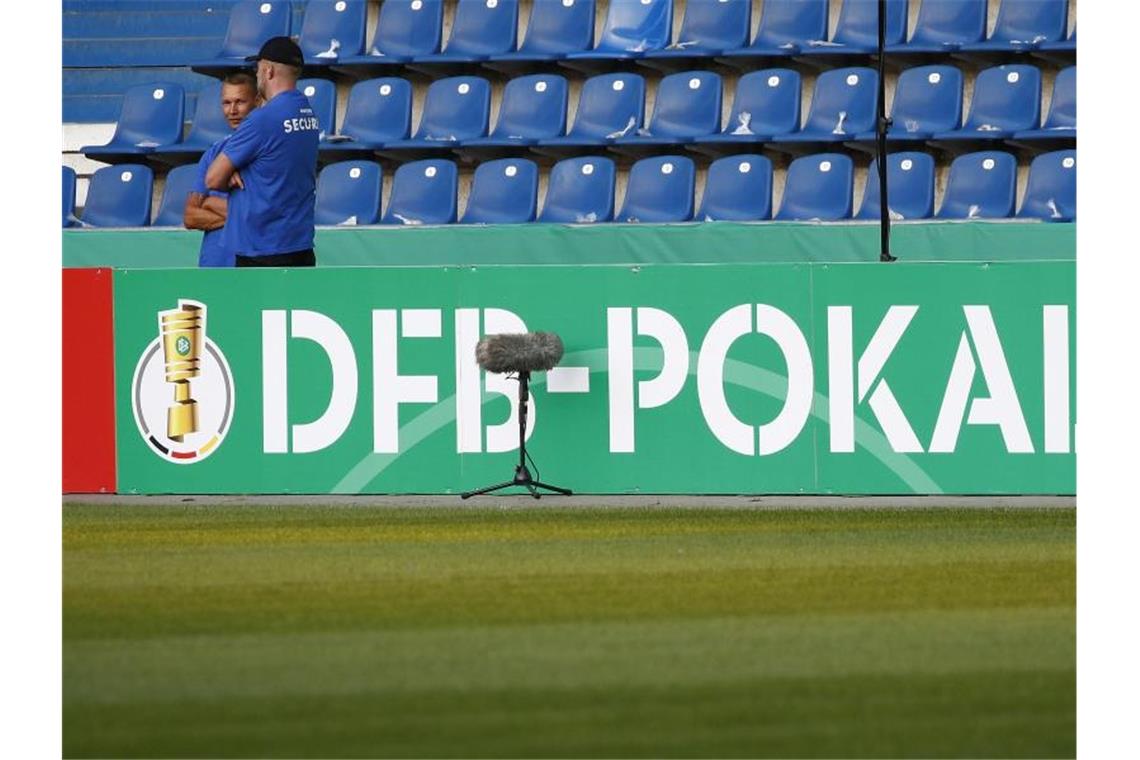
(389, 388)
(658, 391)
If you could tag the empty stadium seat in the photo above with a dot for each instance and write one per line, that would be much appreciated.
(554, 30)
(858, 27)
(767, 105)
(786, 28)
(982, 185)
(945, 26)
(580, 191)
(1051, 192)
(503, 192)
(738, 188)
(423, 192)
(378, 111)
(207, 126)
(1067, 45)
(119, 196)
(455, 109)
(709, 28)
(818, 188)
(1062, 118)
(928, 100)
(348, 192)
(660, 189)
(533, 108)
(842, 106)
(322, 97)
(251, 23)
(331, 29)
(151, 116)
(1007, 99)
(482, 28)
(687, 106)
(179, 184)
(69, 219)
(631, 28)
(609, 105)
(1025, 25)
(405, 29)
(910, 187)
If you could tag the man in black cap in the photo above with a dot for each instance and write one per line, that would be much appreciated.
(270, 166)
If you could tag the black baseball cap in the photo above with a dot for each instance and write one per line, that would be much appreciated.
(279, 50)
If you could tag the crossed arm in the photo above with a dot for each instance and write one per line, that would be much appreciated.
(223, 175)
(204, 212)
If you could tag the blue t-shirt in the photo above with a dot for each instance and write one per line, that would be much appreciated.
(212, 253)
(275, 149)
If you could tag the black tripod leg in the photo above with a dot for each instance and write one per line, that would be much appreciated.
(488, 489)
(555, 489)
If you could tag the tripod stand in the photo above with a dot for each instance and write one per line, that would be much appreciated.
(522, 474)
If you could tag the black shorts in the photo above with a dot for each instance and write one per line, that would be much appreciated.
(304, 258)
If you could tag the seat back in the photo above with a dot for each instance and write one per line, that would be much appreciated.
(844, 102)
(910, 187)
(859, 23)
(407, 28)
(720, 25)
(349, 190)
(533, 107)
(423, 192)
(610, 103)
(818, 187)
(767, 103)
(637, 25)
(208, 125)
(660, 189)
(791, 21)
(151, 115)
(179, 184)
(68, 196)
(322, 97)
(119, 196)
(1006, 97)
(1051, 193)
(252, 22)
(456, 108)
(1031, 20)
(558, 28)
(982, 185)
(333, 29)
(687, 105)
(738, 188)
(379, 110)
(927, 99)
(483, 27)
(950, 21)
(1063, 104)
(503, 192)
(580, 190)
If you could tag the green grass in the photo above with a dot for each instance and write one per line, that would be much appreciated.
(473, 632)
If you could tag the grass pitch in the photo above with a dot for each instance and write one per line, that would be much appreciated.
(475, 631)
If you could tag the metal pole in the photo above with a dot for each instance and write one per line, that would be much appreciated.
(882, 123)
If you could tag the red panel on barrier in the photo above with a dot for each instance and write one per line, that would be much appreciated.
(88, 381)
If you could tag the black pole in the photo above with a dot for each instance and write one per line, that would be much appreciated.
(882, 123)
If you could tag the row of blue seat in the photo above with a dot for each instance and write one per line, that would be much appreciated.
(981, 185)
(611, 111)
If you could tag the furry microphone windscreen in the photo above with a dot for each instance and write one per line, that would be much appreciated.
(519, 352)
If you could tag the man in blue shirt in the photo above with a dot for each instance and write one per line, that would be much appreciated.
(270, 167)
(206, 209)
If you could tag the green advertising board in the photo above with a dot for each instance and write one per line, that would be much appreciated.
(786, 378)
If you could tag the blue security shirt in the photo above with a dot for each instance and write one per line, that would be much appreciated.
(212, 253)
(275, 149)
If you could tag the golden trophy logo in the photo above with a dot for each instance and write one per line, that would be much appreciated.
(184, 423)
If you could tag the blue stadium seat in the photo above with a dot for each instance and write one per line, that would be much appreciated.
(609, 105)
(631, 28)
(858, 27)
(687, 106)
(554, 30)
(738, 188)
(818, 188)
(660, 189)
(151, 116)
(322, 97)
(455, 109)
(533, 108)
(945, 26)
(119, 196)
(1067, 45)
(1062, 118)
(767, 105)
(1007, 99)
(1025, 25)
(982, 185)
(1051, 193)
(786, 28)
(503, 192)
(179, 184)
(69, 219)
(580, 191)
(423, 192)
(482, 28)
(378, 111)
(332, 29)
(842, 106)
(910, 187)
(709, 28)
(928, 100)
(251, 23)
(207, 126)
(348, 192)
(405, 30)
